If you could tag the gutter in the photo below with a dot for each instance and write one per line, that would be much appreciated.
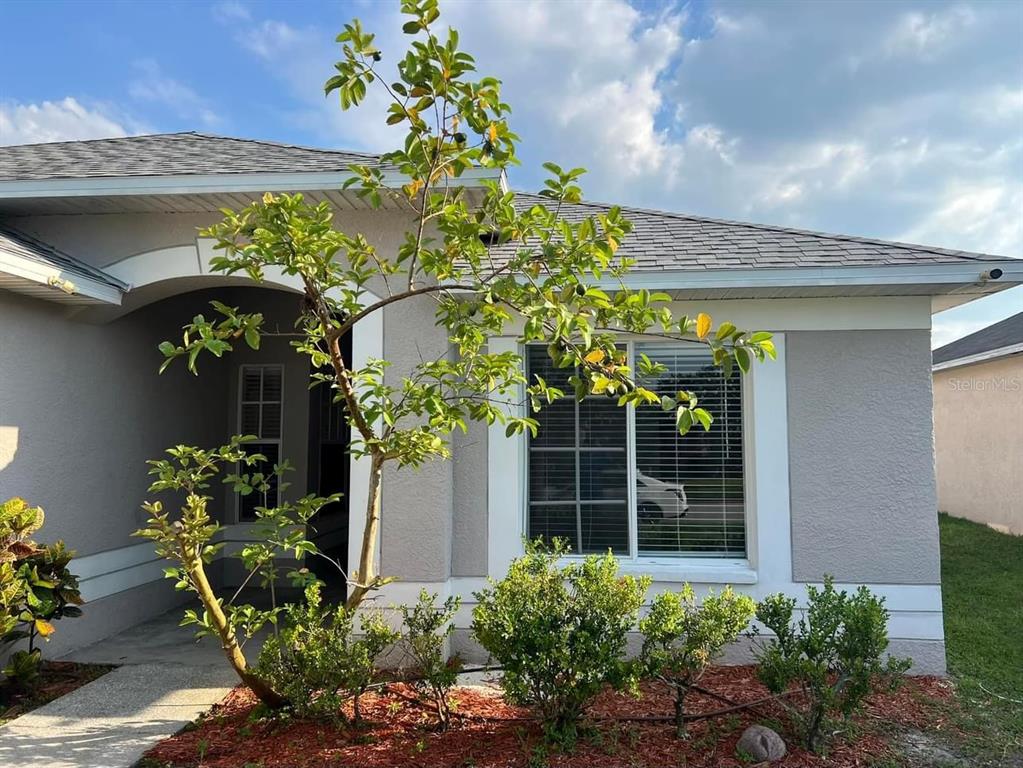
(61, 281)
(963, 274)
(980, 357)
(213, 183)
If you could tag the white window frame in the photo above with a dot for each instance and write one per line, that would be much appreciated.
(633, 557)
(278, 441)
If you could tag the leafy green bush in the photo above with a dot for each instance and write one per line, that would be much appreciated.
(317, 661)
(426, 629)
(36, 588)
(833, 652)
(559, 632)
(681, 637)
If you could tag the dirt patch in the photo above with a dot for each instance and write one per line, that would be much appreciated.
(56, 679)
(488, 733)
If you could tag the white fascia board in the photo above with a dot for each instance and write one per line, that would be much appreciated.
(43, 274)
(213, 183)
(786, 277)
(980, 357)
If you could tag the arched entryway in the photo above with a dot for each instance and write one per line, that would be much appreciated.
(180, 275)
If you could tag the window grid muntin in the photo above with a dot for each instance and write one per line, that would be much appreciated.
(273, 495)
(744, 427)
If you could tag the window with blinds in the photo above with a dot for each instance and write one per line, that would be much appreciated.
(604, 478)
(261, 404)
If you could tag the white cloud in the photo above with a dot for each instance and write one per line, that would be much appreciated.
(152, 85)
(978, 216)
(64, 120)
(926, 35)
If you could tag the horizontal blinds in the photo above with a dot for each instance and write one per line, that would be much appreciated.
(578, 479)
(701, 470)
(261, 409)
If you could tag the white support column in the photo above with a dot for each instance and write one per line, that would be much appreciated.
(367, 344)
(770, 515)
(506, 486)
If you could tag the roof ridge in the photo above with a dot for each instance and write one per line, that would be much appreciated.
(205, 135)
(286, 145)
(790, 230)
(100, 138)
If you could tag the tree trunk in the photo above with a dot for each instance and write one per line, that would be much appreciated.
(680, 704)
(813, 727)
(366, 575)
(228, 641)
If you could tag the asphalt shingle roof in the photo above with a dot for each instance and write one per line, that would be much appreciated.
(661, 240)
(168, 154)
(19, 244)
(1002, 334)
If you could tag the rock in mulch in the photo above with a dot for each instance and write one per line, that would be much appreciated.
(761, 744)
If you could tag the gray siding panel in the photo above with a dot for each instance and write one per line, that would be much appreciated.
(861, 457)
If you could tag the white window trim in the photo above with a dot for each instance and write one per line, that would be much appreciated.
(633, 559)
(768, 535)
(278, 441)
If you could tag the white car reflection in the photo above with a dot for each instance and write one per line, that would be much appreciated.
(656, 498)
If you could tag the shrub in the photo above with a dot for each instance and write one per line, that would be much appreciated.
(833, 652)
(559, 632)
(427, 627)
(36, 588)
(681, 637)
(317, 661)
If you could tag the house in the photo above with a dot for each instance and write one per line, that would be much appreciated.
(819, 463)
(978, 425)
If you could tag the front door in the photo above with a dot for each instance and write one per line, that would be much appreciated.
(329, 435)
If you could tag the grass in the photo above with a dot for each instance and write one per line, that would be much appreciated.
(982, 588)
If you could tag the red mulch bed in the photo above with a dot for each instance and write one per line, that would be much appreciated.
(491, 734)
(56, 678)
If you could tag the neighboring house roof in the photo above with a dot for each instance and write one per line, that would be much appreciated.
(661, 240)
(169, 154)
(30, 266)
(997, 340)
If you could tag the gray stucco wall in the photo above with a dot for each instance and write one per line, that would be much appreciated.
(861, 458)
(415, 541)
(82, 408)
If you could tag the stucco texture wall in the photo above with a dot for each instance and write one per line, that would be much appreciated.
(82, 407)
(862, 483)
(978, 439)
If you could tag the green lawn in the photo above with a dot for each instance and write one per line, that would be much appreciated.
(982, 587)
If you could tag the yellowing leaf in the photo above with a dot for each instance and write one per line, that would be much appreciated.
(44, 628)
(613, 244)
(703, 323)
(492, 132)
(596, 356)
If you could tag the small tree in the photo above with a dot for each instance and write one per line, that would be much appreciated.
(833, 651)
(427, 629)
(487, 265)
(559, 632)
(190, 539)
(681, 637)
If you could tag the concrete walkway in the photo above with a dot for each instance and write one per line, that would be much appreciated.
(166, 680)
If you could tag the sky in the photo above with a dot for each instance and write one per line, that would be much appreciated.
(895, 120)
